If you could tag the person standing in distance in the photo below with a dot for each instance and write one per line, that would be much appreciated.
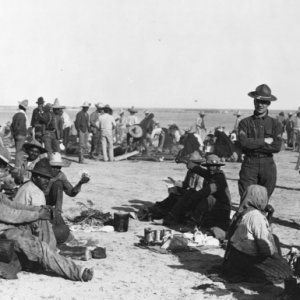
(260, 137)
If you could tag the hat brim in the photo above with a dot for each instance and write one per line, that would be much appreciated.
(26, 147)
(197, 161)
(214, 164)
(44, 174)
(135, 131)
(6, 161)
(59, 164)
(259, 97)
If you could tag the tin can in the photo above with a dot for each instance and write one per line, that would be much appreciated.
(148, 235)
(165, 232)
(156, 234)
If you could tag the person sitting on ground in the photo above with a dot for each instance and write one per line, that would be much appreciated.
(252, 253)
(58, 185)
(34, 150)
(181, 189)
(210, 207)
(17, 222)
(7, 181)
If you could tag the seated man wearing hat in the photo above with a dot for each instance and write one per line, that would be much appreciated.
(34, 150)
(211, 205)
(180, 189)
(58, 185)
(7, 181)
(18, 222)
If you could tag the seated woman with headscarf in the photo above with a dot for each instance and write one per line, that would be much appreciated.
(252, 254)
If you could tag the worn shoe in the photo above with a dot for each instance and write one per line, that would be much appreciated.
(87, 274)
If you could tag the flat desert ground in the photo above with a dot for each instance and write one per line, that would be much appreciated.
(130, 272)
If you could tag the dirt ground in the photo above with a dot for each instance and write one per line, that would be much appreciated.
(130, 272)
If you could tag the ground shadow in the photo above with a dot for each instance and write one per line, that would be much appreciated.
(286, 223)
(134, 206)
(210, 264)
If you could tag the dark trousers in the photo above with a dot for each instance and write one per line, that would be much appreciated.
(66, 135)
(51, 142)
(261, 171)
(96, 143)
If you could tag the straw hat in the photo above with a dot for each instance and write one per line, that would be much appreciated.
(135, 131)
(24, 103)
(196, 158)
(56, 160)
(213, 160)
(40, 100)
(42, 168)
(56, 104)
(86, 104)
(34, 144)
(132, 109)
(262, 92)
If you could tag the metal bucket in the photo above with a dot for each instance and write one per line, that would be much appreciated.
(121, 221)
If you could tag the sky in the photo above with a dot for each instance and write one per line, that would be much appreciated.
(151, 53)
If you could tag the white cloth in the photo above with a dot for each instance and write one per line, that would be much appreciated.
(106, 123)
(67, 122)
(252, 232)
(30, 194)
(131, 120)
(24, 112)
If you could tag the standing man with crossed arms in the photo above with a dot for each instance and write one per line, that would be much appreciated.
(260, 137)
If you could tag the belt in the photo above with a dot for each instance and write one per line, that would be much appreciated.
(258, 155)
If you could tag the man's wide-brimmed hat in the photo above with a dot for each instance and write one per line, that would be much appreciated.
(40, 100)
(196, 158)
(56, 160)
(262, 92)
(290, 114)
(238, 113)
(202, 113)
(135, 131)
(43, 168)
(56, 104)
(24, 103)
(213, 160)
(86, 104)
(5, 156)
(34, 144)
(132, 109)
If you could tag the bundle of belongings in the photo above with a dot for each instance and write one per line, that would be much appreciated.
(90, 219)
(203, 198)
(166, 240)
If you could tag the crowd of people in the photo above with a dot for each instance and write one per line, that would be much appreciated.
(32, 191)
